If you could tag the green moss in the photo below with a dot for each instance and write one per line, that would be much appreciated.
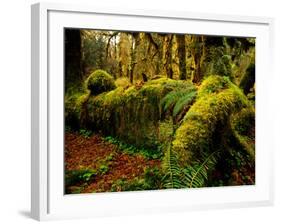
(73, 109)
(213, 84)
(123, 82)
(243, 126)
(217, 99)
(132, 114)
(100, 81)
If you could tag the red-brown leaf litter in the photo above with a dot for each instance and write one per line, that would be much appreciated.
(83, 153)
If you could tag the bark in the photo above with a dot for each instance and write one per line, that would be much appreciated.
(168, 56)
(182, 56)
(134, 48)
(197, 54)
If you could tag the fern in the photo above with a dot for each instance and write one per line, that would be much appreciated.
(197, 174)
(173, 177)
(192, 176)
(171, 98)
(185, 100)
(177, 100)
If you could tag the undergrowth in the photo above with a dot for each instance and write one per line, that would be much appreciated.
(133, 150)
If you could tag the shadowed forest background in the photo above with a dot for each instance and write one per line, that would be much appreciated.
(147, 111)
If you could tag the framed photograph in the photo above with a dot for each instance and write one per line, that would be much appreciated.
(148, 111)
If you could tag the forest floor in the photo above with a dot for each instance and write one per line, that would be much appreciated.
(105, 166)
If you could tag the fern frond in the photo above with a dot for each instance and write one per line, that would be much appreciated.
(184, 101)
(175, 101)
(171, 98)
(193, 176)
(197, 174)
(174, 174)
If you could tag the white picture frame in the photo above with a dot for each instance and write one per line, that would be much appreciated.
(48, 200)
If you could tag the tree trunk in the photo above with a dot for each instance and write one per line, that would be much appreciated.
(182, 56)
(134, 48)
(197, 54)
(73, 58)
(168, 56)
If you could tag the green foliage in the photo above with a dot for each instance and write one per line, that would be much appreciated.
(190, 176)
(183, 102)
(174, 176)
(103, 169)
(223, 66)
(93, 51)
(197, 174)
(180, 98)
(100, 81)
(151, 180)
(85, 133)
(73, 177)
(216, 59)
(132, 150)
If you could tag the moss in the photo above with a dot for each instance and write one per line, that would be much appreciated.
(74, 108)
(213, 84)
(223, 66)
(123, 82)
(132, 114)
(217, 99)
(100, 81)
(243, 126)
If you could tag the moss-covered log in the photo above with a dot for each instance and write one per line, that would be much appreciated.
(217, 99)
(132, 114)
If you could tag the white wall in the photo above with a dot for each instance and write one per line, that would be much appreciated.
(15, 110)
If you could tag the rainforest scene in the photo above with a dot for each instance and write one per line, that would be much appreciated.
(153, 111)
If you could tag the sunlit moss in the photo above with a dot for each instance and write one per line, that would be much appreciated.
(100, 81)
(217, 99)
(123, 82)
(213, 84)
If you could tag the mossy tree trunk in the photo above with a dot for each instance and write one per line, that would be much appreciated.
(182, 56)
(73, 58)
(197, 54)
(124, 54)
(168, 59)
(134, 47)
